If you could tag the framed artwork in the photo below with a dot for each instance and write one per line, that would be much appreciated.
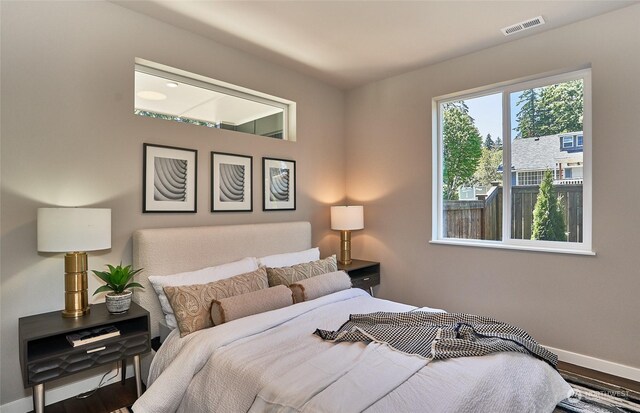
(169, 179)
(231, 182)
(279, 184)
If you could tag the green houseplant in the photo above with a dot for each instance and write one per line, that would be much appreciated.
(118, 287)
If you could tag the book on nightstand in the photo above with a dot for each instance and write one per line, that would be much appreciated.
(91, 336)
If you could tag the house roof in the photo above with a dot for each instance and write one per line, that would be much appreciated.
(541, 153)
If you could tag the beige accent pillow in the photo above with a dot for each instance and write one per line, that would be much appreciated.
(191, 304)
(320, 285)
(238, 306)
(288, 275)
(203, 276)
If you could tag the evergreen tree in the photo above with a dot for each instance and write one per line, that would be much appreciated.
(527, 117)
(488, 142)
(462, 148)
(498, 143)
(550, 110)
(548, 214)
(561, 108)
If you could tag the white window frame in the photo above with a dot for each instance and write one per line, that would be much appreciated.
(538, 174)
(579, 141)
(567, 142)
(506, 88)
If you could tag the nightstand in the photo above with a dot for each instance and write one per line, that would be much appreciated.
(45, 353)
(364, 274)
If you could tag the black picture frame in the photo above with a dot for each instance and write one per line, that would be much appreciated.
(278, 184)
(231, 182)
(170, 179)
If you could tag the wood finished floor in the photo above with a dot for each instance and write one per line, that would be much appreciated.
(631, 385)
(105, 400)
(115, 396)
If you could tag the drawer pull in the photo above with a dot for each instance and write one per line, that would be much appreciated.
(93, 350)
(365, 279)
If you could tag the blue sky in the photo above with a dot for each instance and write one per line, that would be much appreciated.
(487, 114)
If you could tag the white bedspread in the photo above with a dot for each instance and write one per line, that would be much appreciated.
(276, 356)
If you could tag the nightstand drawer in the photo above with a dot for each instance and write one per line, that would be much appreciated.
(87, 356)
(366, 281)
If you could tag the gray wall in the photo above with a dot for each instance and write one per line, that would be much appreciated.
(70, 138)
(587, 305)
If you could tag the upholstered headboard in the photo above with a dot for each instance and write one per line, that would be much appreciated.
(165, 251)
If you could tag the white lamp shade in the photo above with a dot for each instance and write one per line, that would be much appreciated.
(347, 217)
(74, 229)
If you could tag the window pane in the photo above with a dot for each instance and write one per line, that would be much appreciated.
(472, 168)
(546, 152)
(168, 96)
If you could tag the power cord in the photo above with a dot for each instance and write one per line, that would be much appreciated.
(91, 392)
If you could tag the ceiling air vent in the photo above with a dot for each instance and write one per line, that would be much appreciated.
(525, 25)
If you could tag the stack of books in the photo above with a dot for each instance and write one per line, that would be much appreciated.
(91, 336)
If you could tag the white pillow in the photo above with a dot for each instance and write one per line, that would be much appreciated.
(203, 276)
(290, 258)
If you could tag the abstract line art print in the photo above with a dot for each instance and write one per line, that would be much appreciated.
(279, 184)
(279, 181)
(231, 182)
(170, 179)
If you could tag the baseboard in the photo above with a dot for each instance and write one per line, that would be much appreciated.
(60, 393)
(609, 367)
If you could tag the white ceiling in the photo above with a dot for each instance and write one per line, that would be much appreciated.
(194, 102)
(350, 43)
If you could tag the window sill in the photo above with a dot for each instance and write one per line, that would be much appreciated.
(498, 245)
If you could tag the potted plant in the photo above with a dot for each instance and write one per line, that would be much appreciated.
(118, 299)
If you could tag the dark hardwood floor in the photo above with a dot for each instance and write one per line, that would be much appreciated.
(105, 400)
(598, 376)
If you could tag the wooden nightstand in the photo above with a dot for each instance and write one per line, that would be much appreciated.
(45, 353)
(364, 274)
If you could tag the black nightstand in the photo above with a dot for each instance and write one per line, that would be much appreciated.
(45, 353)
(364, 274)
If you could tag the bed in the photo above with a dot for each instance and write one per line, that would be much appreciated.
(272, 361)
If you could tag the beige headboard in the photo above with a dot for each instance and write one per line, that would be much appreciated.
(165, 251)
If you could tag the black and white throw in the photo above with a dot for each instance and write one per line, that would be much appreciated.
(438, 336)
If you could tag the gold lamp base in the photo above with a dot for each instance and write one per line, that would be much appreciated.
(345, 247)
(76, 298)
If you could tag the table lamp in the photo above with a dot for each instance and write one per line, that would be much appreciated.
(74, 231)
(346, 219)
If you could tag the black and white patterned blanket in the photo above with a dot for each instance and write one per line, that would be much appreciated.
(438, 336)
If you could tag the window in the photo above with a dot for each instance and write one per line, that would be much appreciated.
(530, 199)
(171, 94)
(530, 178)
(567, 141)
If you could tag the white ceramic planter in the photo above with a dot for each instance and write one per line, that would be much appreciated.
(119, 303)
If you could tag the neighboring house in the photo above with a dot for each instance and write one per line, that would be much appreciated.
(562, 153)
(531, 157)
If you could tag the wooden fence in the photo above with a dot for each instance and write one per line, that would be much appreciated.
(482, 219)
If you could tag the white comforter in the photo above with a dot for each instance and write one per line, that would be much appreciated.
(273, 362)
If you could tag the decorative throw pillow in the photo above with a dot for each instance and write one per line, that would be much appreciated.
(320, 285)
(191, 304)
(290, 258)
(238, 306)
(203, 276)
(288, 275)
